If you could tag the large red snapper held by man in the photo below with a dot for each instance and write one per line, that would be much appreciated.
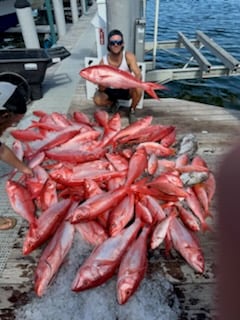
(111, 77)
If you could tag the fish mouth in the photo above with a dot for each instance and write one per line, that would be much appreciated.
(82, 73)
(124, 292)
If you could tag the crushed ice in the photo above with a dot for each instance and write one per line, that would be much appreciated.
(154, 299)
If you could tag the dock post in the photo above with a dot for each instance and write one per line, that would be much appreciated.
(74, 11)
(84, 6)
(155, 40)
(28, 28)
(50, 21)
(59, 17)
(140, 27)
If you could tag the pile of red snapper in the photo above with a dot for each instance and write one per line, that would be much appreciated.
(122, 189)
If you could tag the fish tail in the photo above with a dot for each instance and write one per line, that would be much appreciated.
(206, 227)
(150, 87)
(207, 214)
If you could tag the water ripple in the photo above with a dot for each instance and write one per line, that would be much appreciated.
(219, 19)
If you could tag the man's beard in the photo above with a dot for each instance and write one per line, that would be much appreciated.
(117, 53)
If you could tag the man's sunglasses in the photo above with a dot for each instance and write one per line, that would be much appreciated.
(117, 42)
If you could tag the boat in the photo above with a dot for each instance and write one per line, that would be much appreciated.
(8, 16)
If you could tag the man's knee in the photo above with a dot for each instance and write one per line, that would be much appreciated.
(100, 99)
(136, 93)
(97, 99)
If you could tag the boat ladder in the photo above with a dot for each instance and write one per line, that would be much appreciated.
(229, 66)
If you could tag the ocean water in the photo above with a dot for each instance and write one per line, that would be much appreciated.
(220, 20)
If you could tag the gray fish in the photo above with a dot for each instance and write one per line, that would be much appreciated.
(188, 145)
(193, 177)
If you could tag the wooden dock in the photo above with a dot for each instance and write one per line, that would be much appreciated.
(216, 130)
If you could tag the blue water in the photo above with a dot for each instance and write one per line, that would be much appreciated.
(220, 20)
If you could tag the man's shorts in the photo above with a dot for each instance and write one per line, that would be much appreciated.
(116, 94)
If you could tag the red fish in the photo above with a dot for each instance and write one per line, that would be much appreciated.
(137, 164)
(210, 186)
(36, 160)
(157, 148)
(48, 195)
(21, 201)
(75, 155)
(17, 148)
(60, 119)
(168, 188)
(182, 160)
(154, 207)
(154, 132)
(69, 177)
(143, 212)
(119, 162)
(104, 260)
(36, 183)
(121, 214)
(152, 164)
(82, 118)
(92, 232)
(197, 209)
(44, 126)
(202, 196)
(161, 229)
(133, 128)
(96, 205)
(188, 218)
(109, 76)
(26, 134)
(186, 245)
(169, 139)
(112, 128)
(47, 224)
(132, 268)
(53, 256)
(102, 118)
(54, 138)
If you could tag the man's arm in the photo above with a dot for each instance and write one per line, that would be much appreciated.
(8, 156)
(101, 88)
